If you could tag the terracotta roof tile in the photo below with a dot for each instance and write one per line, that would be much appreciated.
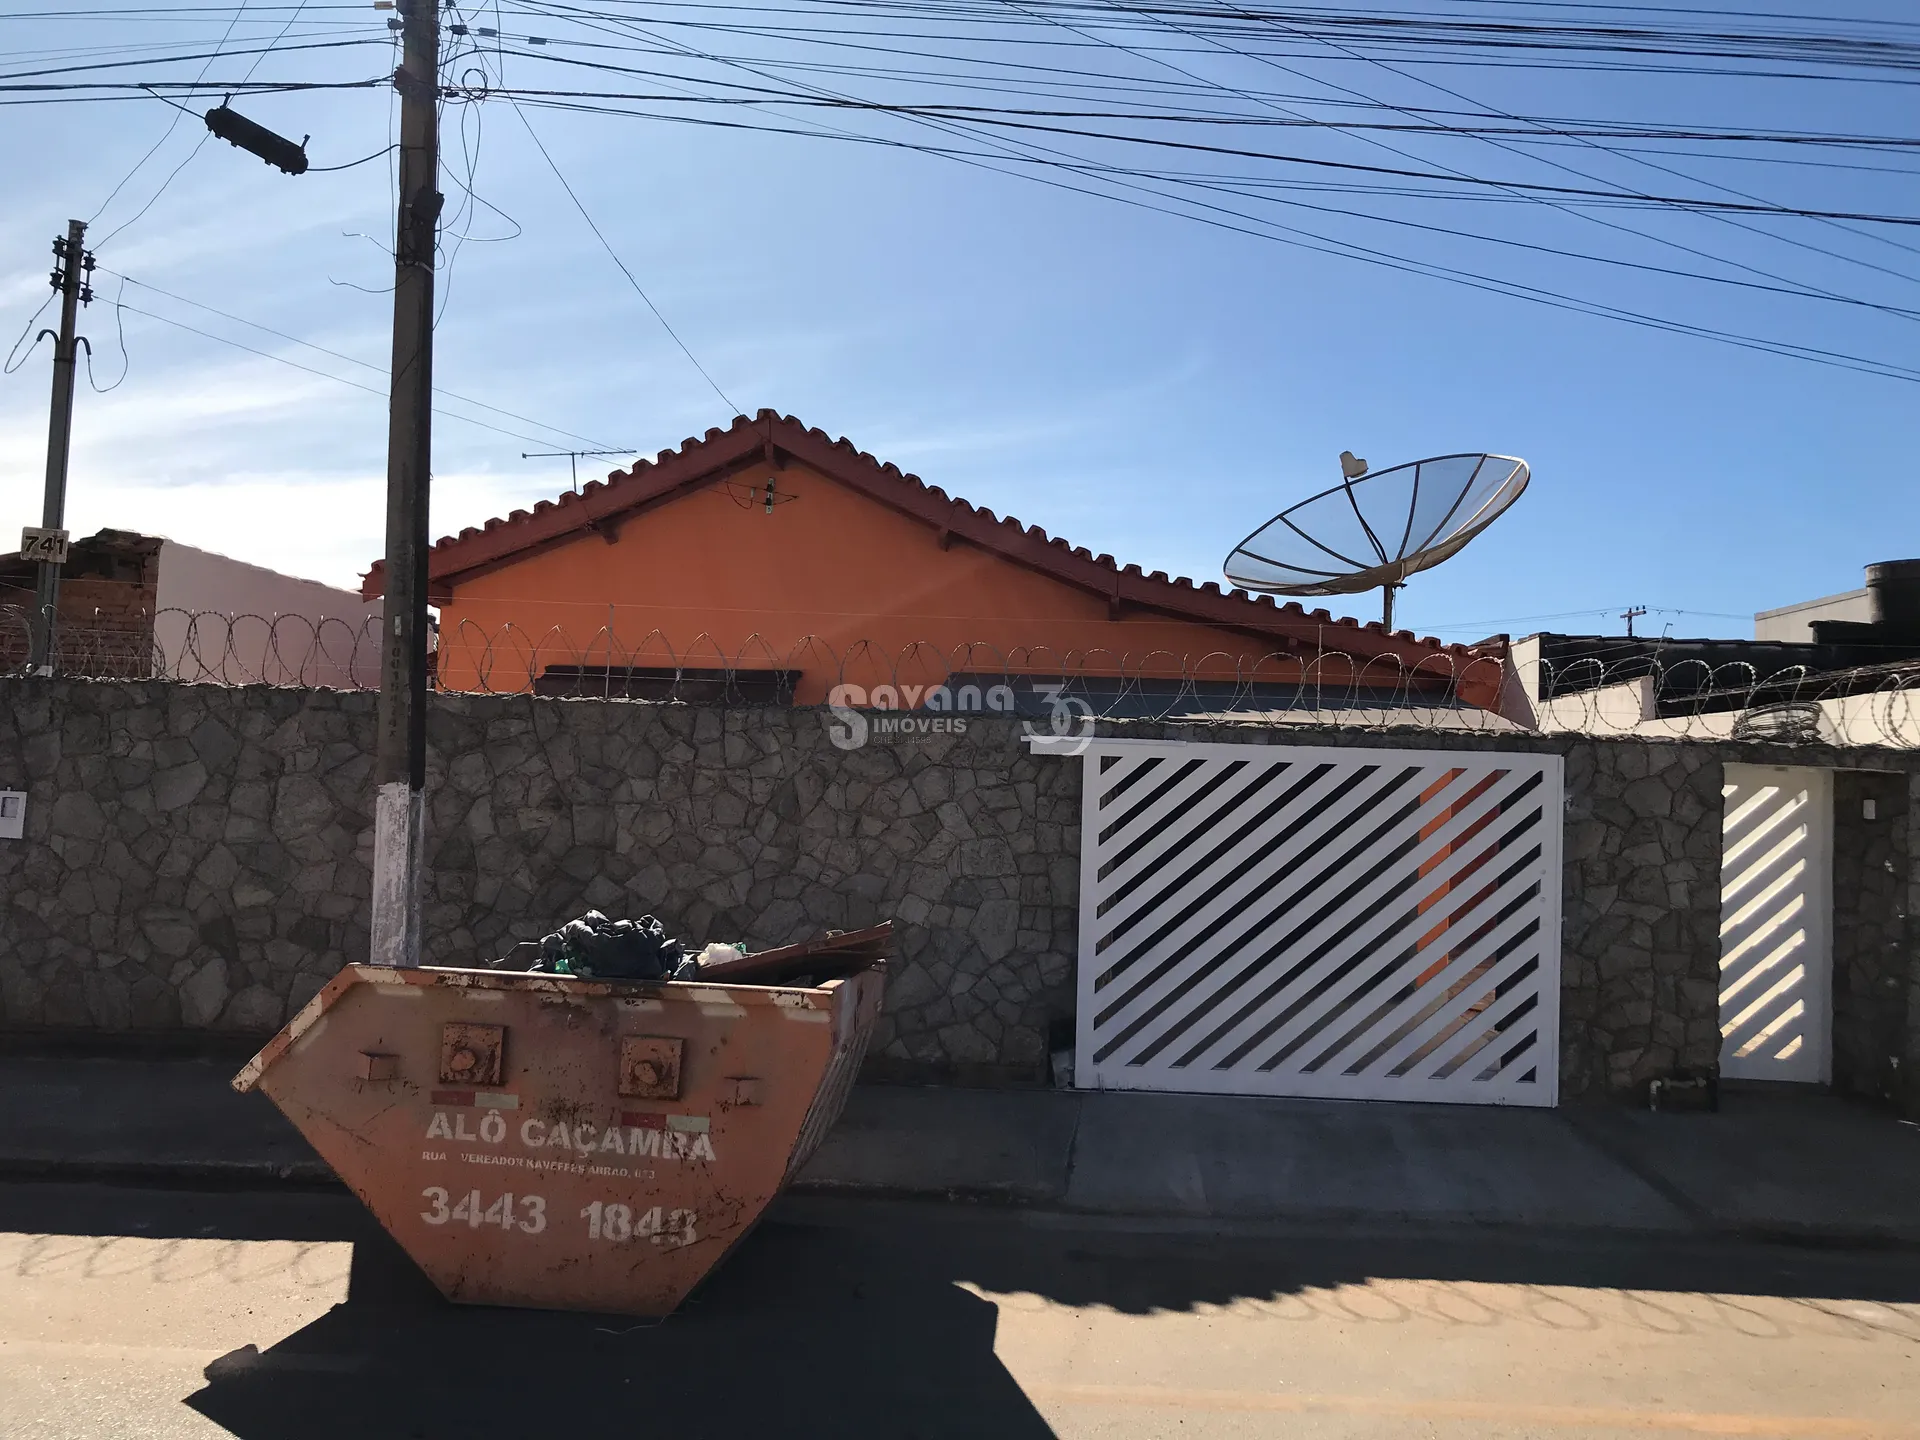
(749, 440)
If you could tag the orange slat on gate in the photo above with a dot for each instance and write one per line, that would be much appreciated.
(1446, 887)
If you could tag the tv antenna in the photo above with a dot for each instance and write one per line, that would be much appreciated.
(572, 458)
(1375, 528)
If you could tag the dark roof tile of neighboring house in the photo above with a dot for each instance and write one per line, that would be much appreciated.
(768, 436)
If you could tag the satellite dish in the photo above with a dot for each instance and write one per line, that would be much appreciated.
(1375, 530)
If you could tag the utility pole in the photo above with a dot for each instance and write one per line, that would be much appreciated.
(69, 278)
(400, 756)
(1631, 614)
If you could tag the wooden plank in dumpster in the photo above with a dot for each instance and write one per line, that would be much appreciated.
(559, 1143)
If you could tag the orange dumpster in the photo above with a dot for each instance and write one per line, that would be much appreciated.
(574, 1144)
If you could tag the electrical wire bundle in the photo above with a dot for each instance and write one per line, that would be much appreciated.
(1318, 126)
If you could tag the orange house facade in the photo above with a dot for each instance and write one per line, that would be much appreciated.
(770, 562)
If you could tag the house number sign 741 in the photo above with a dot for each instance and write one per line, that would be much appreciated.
(47, 547)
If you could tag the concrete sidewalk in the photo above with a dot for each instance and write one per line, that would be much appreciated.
(1808, 1167)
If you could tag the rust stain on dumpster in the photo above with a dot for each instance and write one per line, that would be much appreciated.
(566, 1144)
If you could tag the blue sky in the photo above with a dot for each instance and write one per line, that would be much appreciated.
(1141, 383)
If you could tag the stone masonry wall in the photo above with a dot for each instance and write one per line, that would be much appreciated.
(197, 858)
(1906, 1083)
(1870, 955)
(1640, 912)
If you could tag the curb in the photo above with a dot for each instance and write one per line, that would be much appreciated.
(212, 1174)
(316, 1176)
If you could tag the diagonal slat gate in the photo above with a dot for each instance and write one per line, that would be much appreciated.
(1342, 922)
(1776, 955)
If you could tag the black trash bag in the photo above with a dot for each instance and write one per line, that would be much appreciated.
(594, 946)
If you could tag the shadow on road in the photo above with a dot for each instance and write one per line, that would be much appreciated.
(855, 1318)
(800, 1334)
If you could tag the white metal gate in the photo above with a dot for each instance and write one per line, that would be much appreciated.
(1345, 922)
(1776, 916)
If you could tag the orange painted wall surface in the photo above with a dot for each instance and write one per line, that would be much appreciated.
(709, 578)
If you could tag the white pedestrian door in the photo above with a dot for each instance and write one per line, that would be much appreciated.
(1776, 924)
(1296, 920)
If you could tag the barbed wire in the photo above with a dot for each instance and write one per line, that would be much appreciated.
(1686, 698)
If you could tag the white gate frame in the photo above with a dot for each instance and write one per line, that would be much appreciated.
(1550, 766)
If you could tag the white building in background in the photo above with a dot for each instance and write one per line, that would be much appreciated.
(220, 618)
(1794, 623)
(196, 579)
(137, 606)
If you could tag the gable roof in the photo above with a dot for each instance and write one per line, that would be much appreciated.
(769, 437)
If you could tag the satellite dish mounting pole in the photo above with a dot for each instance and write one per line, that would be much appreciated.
(1387, 591)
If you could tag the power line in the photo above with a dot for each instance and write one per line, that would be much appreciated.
(102, 243)
(150, 89)
(165, 135)
(1008, 120)
(338, 355)
(1825, 25)
(943, 111)
(838, 37)
(1554, 197)
(1520, 189)
(324, 375)
(156, 49)
(1716, 210)
(379, 154)
(1524, 130)
(1529, 127)
(208, 56)
(1719, 213)
(1083, 79)
(1602, 610)
(1855, 59)
(1314, 241)
(273, 43)
(614, 254)
(120, 330)
(1480, 282)
(1520, 130)
(1329, 29)
(12, 364)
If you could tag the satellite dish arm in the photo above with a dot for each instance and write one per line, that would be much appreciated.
(1287, 565)
(1413, 509)
(1347, 560)
(1372, 538)
(1452, 509)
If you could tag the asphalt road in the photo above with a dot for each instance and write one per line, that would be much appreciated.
(278, 1316)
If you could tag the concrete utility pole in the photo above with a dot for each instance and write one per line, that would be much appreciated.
(400, 758)
(69, 278)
